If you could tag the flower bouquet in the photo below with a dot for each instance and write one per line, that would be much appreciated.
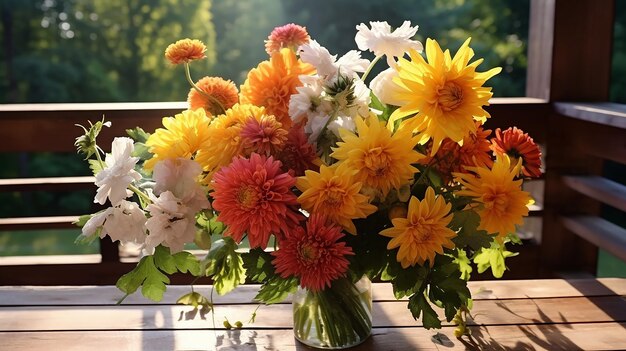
(313, 179)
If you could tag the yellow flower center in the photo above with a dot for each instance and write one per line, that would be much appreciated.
(421, 230)
(333, 196)
(247, 197)
(308, 253)
(497, 202)
(377, 162)
(450, 96)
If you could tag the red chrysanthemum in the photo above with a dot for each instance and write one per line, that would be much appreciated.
(287, 36)
(298, 155)
(314, 255)
(515, 143)
(265, 136)
(254, 196)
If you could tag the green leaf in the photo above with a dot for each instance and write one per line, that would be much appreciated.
(82, 220)
(196, 300)
(95, 166)
(147, 275)
(418, 305)
(466, 224)
(276, 289)
(164, 260)
(225, 265)
(493, 257)
(464, 264)
(142, 151)
(258, 265)
(405, 281)
(138, 134)
(187, 262)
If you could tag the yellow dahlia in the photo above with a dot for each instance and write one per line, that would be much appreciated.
(502, 201)
(444, 94)
(224, 136)
(183, 136)
(272, 83)
(383, 159)
(334, 193)
(423, 233)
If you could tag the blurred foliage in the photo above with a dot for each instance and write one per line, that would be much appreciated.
(618, 69)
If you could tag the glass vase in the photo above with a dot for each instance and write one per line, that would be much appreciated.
(334, 318)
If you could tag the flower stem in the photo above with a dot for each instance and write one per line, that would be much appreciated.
(213, 100)
(140, 193)
(372, 64)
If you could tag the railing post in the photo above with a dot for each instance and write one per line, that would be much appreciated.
(580, 71)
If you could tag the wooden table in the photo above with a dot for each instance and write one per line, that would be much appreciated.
(524, 315)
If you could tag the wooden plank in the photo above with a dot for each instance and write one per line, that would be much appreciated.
(605, 336)
(32, 223)
(396, 314)
(600, 232)
(47, 184)
(600, 189)
(481, 290)
(607, 113)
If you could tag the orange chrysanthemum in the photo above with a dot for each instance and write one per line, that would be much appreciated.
(185, 50)
(314, 255)
(289, 36)
(183, 136)
(334, 193)
(517, 144)
(272, 83)
(502, 202)
(253, 196)
(222, 91)
(423, 233)
(452, 158)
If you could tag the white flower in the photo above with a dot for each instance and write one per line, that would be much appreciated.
(385, 89)
(318, 56)
(327, 65)
(382, 41)
(343, 122)
(171, 223)
(180, 176)
(351, 63)
(314, 126)
(119, 172)
(125, 222)
(308, 98)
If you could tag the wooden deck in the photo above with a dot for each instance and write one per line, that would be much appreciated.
(526, 315)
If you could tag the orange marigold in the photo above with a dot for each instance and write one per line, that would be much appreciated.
(185, 50)
(272, 83)
(223, 91)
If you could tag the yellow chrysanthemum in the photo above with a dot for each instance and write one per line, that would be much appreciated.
(502, 199)
(224, 136)
(383, 160)
(185, 50)
(272, 83)
(334, 193)
(423, 233)
(444, 95)
(183, 136)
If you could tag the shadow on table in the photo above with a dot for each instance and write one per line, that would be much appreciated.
(543, 332)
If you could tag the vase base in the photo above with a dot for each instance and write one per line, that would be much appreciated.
(312, 343)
